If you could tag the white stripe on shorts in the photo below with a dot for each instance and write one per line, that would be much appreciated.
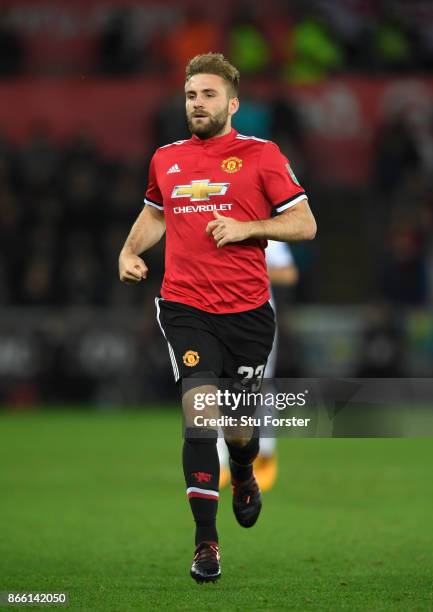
(170, 348)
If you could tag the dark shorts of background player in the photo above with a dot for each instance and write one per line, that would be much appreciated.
(226, 346)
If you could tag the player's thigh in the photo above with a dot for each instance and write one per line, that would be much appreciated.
(248, 341)
(194, 351)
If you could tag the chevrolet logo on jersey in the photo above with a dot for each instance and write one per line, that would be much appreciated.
(200, 191)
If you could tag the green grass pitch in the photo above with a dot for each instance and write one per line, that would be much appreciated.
(94, 504)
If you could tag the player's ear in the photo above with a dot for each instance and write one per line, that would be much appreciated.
(233, 105)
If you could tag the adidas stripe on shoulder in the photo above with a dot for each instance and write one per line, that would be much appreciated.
(243, 137)
(171, 144)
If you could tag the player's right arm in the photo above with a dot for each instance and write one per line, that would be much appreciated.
(147, 230)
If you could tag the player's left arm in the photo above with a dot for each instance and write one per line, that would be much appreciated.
(294, 224)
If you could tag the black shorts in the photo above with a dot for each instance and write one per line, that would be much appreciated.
(229, 346)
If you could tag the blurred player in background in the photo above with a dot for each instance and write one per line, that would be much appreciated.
(282, 271)
(218, 196)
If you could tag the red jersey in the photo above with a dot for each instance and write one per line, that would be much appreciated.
(243, 177)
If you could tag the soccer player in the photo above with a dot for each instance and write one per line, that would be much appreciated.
(282, 271)
(218, 196)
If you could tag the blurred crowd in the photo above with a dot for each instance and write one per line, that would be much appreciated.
(404, 193)
(301, 41)
(64, 213)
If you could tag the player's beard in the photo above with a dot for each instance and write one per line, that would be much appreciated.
(211, 126)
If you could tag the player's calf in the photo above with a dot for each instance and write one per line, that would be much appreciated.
(247, 499)
(201, 470)
(242, 455)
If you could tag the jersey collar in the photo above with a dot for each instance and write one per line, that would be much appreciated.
(215, 140)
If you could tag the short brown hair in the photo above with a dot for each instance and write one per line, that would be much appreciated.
(215, 63)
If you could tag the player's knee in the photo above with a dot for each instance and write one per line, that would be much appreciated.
(242, 436)
(237, 440)
(199, 400)
(197, 413)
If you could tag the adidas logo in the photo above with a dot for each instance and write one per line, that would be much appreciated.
(174, 168)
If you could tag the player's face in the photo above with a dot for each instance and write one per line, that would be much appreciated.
(208, 106)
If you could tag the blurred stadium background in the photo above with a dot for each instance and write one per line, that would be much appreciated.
(89, 89)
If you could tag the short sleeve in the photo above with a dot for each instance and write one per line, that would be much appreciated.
(153, 195)
(279, 182)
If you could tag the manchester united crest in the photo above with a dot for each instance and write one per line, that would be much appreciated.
(231, 165)
(191, 359)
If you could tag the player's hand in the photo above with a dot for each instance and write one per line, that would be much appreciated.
(225, 230)
(132, 268)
